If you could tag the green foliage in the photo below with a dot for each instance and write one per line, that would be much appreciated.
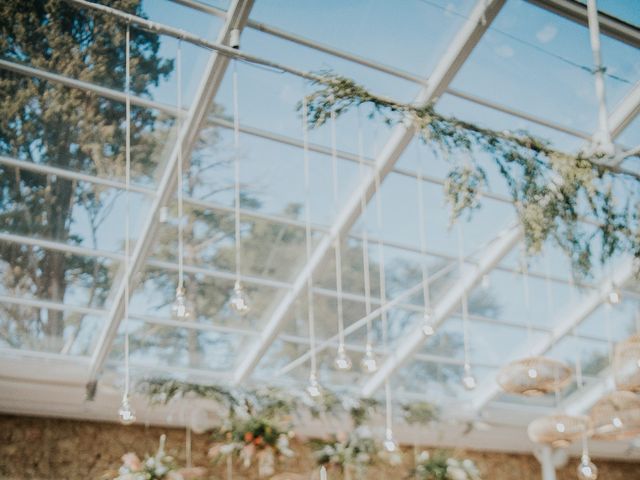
(553, 192)
(440, 466)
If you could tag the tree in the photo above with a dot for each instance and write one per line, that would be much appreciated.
(48, 123)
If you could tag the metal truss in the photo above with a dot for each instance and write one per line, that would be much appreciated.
(466, 39)
(214, 72)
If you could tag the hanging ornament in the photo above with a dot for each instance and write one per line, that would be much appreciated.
(534, 376)
(314, 389)
(180, 309)
(428, 326)
(125, 412)
(342, 361)
(468, 380)
(586, 469)
(239, 301)
(369, 363)
(390, 444)
(626, 365)
(614, 297)
(558, 430)
(616, 416)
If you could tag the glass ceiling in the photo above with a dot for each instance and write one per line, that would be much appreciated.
(530, 70)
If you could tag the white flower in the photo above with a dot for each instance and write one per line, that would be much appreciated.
(424, 456)
(456, 473)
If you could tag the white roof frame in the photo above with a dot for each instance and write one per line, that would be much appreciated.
(481, 17)
(214, 72)
(566, 321)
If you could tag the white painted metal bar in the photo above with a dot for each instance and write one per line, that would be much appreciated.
(577, 12)
(85, 86)
(58, 246)
(495, 252)
(626, 110)
(564, 325)
(481, 17)
(214, 72)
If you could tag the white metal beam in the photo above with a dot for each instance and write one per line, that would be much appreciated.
(462, 45)
(236, 19)
(565, 323)
(609, 25)
(624, 113)
(500, 247)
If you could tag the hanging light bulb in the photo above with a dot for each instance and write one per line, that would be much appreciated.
(427, 325)
(342, 361)
(125, 412)
(180, 309)
(314, 389)
(239, 301)
(614, 297)
(390, 444)
(369, 363)
(468, 380)
(587, 470)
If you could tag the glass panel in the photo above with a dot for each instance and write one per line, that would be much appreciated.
(208, 295)
(162, 346)
(271, 177)
(35, 272)
(531, 50)
(616, 322)
(356, 27)
(68, 211)
(47, 330)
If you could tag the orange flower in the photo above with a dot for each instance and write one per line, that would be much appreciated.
(248, 437)
(258, 441)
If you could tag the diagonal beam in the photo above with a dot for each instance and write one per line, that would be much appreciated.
(481, 17)
(237, 16)
(470, 277)
(564, 325)
(609, 25)
(625, 111)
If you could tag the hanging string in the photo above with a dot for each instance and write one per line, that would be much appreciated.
(465, 303)
(381, 266)
(127, 210)
(423, 236)
(527, 298)
(365, 235)
(572, 298)
(609, 336)
(180, 168)
(307, 209)
(236, 168)
(604, 134)
(337, 246)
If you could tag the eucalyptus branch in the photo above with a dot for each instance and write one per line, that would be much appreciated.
(552, 191)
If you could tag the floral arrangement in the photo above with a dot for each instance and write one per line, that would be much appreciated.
(356, 451)
(157, 467)
(442, 467)
(251, 438)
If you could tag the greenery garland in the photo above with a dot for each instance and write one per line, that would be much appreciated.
(277, 404)
(553, 192)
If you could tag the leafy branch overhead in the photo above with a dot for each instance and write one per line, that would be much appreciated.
(583, 202)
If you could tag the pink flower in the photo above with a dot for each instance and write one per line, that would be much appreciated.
(132, 462)
(192, 473)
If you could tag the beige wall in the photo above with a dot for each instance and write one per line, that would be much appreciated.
(43, 448)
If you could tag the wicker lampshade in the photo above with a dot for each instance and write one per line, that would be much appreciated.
(558, 430)
(626, 364)
(616, 416)
(534, 376)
